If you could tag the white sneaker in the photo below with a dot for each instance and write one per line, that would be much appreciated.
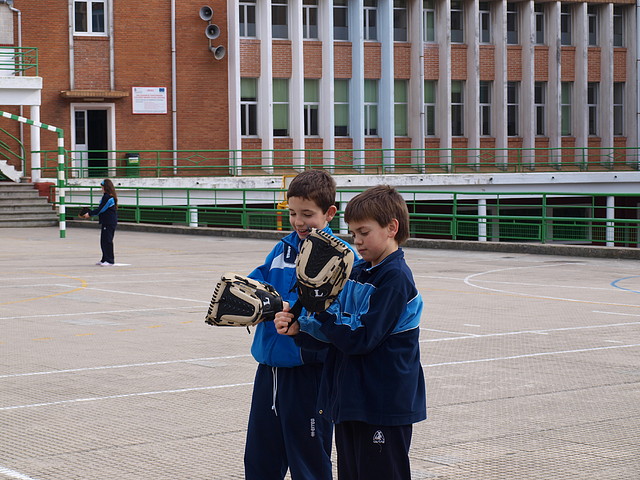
(106, 264)
(99, 263)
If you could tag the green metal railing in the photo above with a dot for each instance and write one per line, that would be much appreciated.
(18, 61)
(211, 163)
(537, 217)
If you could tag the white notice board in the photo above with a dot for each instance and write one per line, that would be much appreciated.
(149, 100)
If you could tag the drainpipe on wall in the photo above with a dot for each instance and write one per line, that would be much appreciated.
(174, 102)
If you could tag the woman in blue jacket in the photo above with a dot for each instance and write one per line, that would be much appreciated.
(107, 213)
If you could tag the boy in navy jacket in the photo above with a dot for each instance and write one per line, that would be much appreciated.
(107, 213)
(285, 431)
(373, 386)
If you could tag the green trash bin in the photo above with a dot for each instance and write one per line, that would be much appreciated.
(133, 164)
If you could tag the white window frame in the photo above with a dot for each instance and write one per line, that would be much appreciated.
(308, 7)
(485, 107)
(370, 14)
(89, 4)
(311, 106)
(430, 122)
(371, 119)
(484, 20)
(540, 101)
(244, 7)
(400, 12)
(247, 112)
(513, 109)
(429, 13)
(593, 94)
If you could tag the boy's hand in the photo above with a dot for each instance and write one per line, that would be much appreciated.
(285, 321)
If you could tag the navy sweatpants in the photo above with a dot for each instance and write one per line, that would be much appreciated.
(284, 430)
(369, 451)
(106, 243)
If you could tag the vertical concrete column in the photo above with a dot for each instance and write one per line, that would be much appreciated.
(233, 62)
(611, 215)
(386, 121)
(527, 90)
(193, 216)
(327, 122)
(416, 82)
(35, 145)
(554, 84)
(580, 110)
(499, 105)
(296, 84)
(472, 94)
(443, 93)
(356, 86)
(482, 221)
(265, 83)
(632, 85)
(606, 82)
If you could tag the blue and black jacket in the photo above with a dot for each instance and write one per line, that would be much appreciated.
(279, 271)
(372, 372)
(107, 211)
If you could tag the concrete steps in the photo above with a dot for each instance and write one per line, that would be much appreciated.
(22, 206)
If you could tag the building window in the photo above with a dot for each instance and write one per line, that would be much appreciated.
(565, 25)
(540, 100)
(592, 106)
(566, 93)
(457, 108)
(618, 108)
(618, 27)
(248, 106)
(429, 20)
(539, 20)
(370, 19)
(485, 22)
(512, 24)
(279, 17)
(400, 21)
(371, 107)
(247, 18)
(457, 21)
(280, 107)
(592, 23)
(89, 17)
(311, 107)
(401, 107)
(340, 20)
(341, 107)
(513, 101)
(485, 108)
(430, 108)
(310, 19)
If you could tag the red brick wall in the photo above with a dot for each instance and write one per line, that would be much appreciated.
(541, 64)
(372, 63)
(342, 59)
(312, 59)
(431, 62)
(487, 62)
(619, 64)
(568, 64)
(249, 57)
(402, 60)
(458, 61)
(281, 58)
(593, 64)
(514, 63)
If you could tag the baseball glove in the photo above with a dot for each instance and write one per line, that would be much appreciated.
(323, 267)
(83, 211)
(242, 302)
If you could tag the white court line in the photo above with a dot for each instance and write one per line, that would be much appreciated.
(13, 474)
(467, 280)
(523, 332)
(130, 365)
(105, 312)
(617, 313)
(125, 395)
(526, 355)
(215, 387)
(146, 295)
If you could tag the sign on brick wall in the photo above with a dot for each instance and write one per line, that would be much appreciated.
(149, 100)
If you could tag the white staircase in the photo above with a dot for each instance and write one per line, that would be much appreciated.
(9, 171)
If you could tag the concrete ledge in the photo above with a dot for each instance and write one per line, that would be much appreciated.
(587, 251)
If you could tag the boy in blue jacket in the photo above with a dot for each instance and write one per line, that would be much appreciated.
(285, 431)
(373, 386)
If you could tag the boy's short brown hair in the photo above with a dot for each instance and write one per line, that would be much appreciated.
(382, 203)
(315, 185)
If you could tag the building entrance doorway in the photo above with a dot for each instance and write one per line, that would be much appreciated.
(92, 145)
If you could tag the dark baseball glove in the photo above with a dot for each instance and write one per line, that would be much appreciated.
(83, 211)
(242, 302)
(323, 267)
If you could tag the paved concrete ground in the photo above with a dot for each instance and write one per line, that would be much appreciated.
(532, 362)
